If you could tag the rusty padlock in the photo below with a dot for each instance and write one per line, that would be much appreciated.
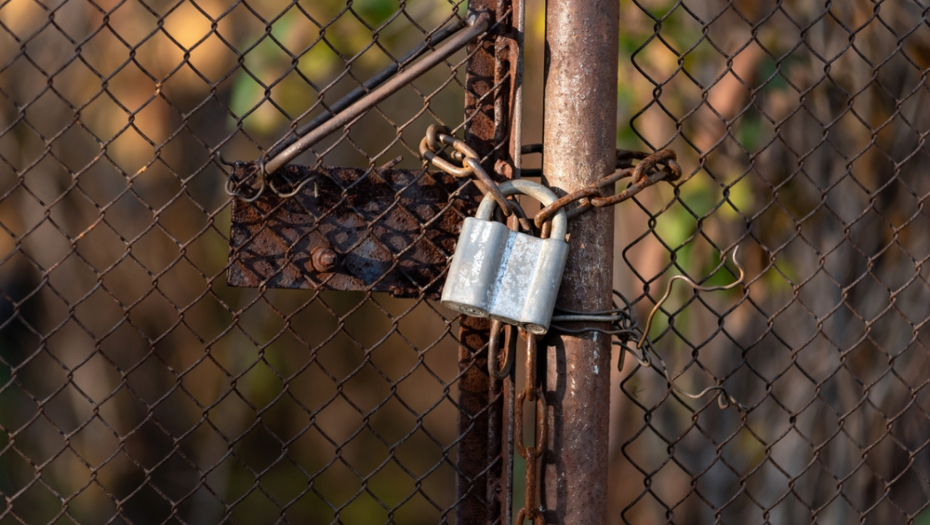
(506, 275)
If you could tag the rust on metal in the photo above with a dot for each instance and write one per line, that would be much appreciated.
(482, 451)
(579, 148)
(531, 510)
(324, 259)
(382, 230)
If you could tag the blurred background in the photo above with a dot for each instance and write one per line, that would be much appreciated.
(137, 387)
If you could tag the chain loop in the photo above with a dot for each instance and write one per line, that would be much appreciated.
(549, 211)
(532, 392)
(494, 353)
(432, 145)
(430, 148)
(523, 222)
(652, 168)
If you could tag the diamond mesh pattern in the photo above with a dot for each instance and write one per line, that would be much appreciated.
(805, 125)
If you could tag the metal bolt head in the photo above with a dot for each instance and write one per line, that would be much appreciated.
(324, 259)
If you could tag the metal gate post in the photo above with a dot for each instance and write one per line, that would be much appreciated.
(579, 147)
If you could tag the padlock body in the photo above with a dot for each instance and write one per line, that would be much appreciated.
(509, 276)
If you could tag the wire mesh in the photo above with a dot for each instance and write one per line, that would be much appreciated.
(135, 385)
(805, 127)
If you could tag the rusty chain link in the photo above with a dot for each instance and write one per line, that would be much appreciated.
(651, 169)
(532, 509)
(437, 137)
(496, 370)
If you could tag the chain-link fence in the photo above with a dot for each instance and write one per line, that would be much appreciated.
(137, 386)
(806, 128)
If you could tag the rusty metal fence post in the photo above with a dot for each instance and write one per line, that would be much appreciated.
(488, 112)
(579, 144)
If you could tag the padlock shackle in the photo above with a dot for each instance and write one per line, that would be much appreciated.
(533, 189)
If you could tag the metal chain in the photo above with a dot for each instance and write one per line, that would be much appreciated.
(495, 370)
(532, 392)
(652, 168)
(437, 137)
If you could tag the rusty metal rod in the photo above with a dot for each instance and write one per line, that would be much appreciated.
(480, 462)
(579, 137)
(380, 78)
(477, 24)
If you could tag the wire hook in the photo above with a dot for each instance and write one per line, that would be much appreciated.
(692, 284)
(218, 156)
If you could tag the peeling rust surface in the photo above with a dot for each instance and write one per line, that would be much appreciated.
(391, 230)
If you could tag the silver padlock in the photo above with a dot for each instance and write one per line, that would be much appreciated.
(506, 275)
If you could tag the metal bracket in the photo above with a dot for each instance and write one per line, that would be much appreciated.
(381, 230)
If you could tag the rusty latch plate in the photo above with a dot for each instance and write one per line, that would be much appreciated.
(391, 231)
